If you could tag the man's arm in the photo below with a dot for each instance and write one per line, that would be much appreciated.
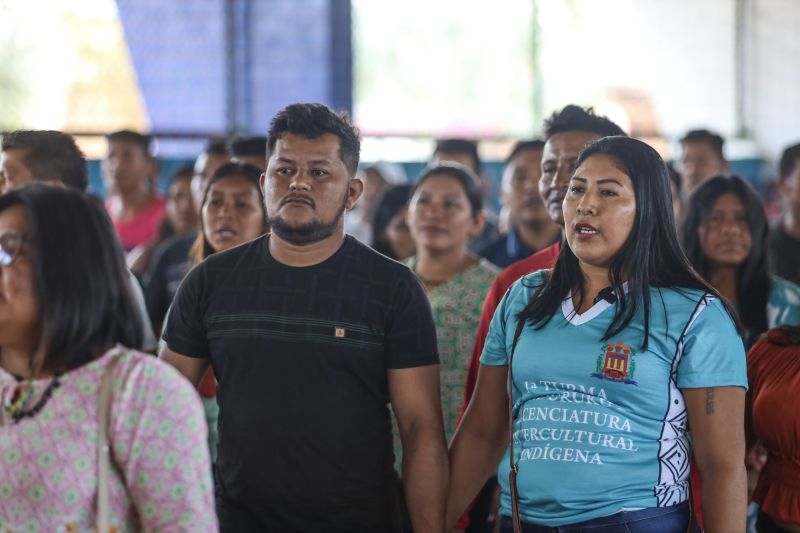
(415, 397)
(716, 421)
(192, 368)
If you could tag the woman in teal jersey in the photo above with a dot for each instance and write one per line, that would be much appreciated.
(725, 234)
(609, 359)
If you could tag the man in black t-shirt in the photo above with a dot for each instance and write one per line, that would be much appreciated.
(784, 239)
(311, 334)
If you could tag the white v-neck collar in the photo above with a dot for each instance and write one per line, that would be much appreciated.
(576, 319)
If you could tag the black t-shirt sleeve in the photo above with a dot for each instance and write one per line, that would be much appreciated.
(185, 331)
(410, 333)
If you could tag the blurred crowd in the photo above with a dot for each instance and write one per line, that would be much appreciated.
(321, 326)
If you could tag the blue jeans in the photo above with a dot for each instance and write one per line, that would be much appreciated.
(674, 519)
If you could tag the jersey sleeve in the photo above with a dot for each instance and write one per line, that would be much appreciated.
(185, 332)
(783, 305)
(500, 336)
(713, 352)
(158, 437)
(410, 338)
(494, 349)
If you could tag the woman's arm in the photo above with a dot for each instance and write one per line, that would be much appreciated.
(158, 436)
(716, 422)
(479, 442)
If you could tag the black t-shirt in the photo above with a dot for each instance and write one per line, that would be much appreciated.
(784, 254)
(301, 357)
(169, 264)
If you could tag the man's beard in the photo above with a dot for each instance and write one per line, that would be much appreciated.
(308, 233)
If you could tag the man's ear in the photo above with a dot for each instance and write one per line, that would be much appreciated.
(355, 189)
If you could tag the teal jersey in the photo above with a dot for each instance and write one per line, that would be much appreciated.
(601, 426)
(783, 303)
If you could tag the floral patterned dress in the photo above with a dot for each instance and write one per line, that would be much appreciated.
(456, 307)
(161, 476)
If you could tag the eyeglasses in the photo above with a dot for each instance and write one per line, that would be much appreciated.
(10, 245)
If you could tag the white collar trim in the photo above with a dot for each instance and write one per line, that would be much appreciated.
(576, 319)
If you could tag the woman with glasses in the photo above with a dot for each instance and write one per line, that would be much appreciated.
(66, 321)
(601, 376)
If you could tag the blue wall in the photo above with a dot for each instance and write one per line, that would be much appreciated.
(224, 66)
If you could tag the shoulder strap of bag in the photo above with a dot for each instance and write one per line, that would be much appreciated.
(512, 473)
(103, 448)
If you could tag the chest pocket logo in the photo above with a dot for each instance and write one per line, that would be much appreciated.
(616, 363)
(339, 333)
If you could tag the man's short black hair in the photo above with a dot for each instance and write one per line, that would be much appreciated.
(714, 140)
(522, 146)
(244, 146)
(144, 141)
(789, 159)
(461, 146)
(51, 155)
(577, 118)
(313, 121)
(216, 146)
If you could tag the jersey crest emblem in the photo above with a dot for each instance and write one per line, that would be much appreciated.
(616, 363)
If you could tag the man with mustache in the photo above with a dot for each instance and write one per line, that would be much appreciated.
(567, 133)
(311, 334)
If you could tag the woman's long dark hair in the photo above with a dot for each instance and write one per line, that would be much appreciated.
(753, 281)
(390, 203)
(201, 247)
(79, 274)
(650, 257)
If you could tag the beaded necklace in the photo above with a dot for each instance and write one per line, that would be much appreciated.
(22, 395)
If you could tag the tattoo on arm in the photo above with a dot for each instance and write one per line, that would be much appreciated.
(709, 401)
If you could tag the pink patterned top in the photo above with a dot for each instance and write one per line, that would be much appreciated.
(161, 475)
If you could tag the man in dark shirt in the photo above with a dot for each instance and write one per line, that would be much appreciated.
(531, 226)
(311, 334)
(171, 260)
(784, 240)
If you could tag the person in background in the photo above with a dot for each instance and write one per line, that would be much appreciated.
(311, 334)
(252, 150)
(531, 228)
(676, 189)
(702, 157)
(179, 220)
(445, 211)
(390, 233)
(378, 177)
(231, 213)
(465, 152)
(773, 371)
(599, 376)
(66, 320)
(41, 155)
(53, 157)
(724, 234)
(784, 239)
(171, 260)
(567, 132)
(132, 198)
